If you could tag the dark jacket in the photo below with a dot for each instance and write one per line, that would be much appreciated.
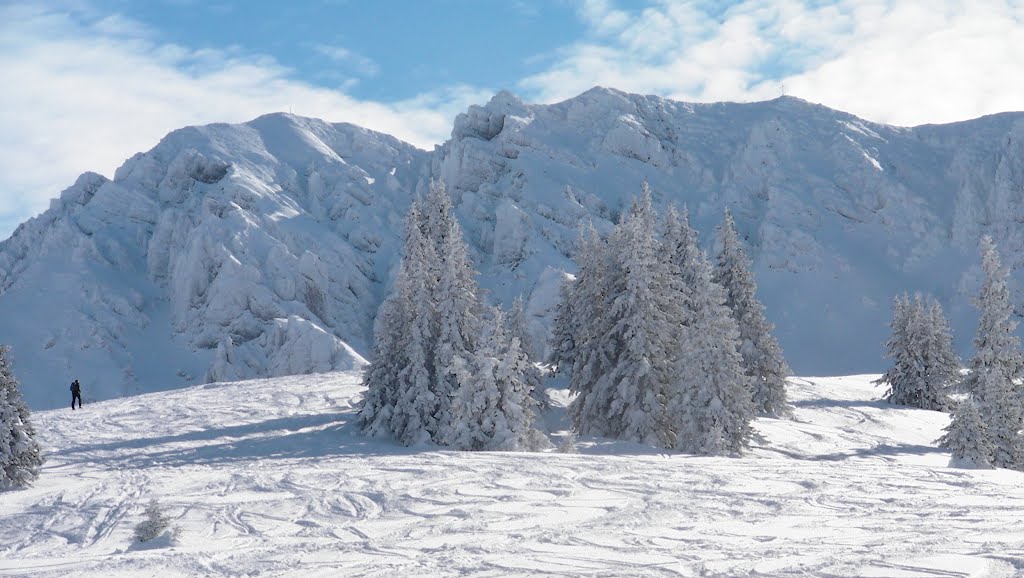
(75, 388)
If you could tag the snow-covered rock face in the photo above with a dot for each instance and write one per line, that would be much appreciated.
(226, 252)
(839, 214)
(262, 249)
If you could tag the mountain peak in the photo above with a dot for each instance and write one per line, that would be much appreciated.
(264, 248)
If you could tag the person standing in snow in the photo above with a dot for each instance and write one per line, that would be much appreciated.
(76, 393)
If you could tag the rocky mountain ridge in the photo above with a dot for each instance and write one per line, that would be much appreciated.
(263, 249)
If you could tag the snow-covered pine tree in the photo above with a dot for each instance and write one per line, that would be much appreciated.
(997, 362)
(921, 347)
(642, 316)
(623, 378)
(680, 241)
(9, 382)
(458, 311)
(762, 356)
(439, 221)
(391, 334)
(587, 301)
(944, 363)
(902, 375)
(710, 403)
(414, 420)
(515, 327)
(381, 377)
(966, 437)
(497, 410)
(563, 332)
(20, 454)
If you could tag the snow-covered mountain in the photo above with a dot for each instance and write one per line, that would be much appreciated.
(263, 249)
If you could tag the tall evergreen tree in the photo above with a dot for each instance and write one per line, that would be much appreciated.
(414, 420)
(20, 454)
(563, 331)
(587, 301)
(921, 347)
(403, 342)
(515, 328)
(966, 437)
(458, 306)
(710, 402)
(641, 338)
(762, 356)
(943, 362)
(997, 363)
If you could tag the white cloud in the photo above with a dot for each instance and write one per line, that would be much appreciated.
(85, 95)
(903, 62)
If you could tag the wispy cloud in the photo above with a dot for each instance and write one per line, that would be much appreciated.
(84, 93)
(896, 61)
(361, 64)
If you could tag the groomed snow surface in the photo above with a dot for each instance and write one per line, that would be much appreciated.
(271, 478)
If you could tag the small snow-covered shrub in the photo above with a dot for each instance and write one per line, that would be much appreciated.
(568, 445)
(536, 441)
(156, 524)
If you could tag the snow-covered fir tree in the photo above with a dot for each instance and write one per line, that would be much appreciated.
(762, 356)
(418, 402)
(381, 377)
(20, 454)
(391, 334)
(9, 382)
(997, 363)
(643, 319)
(515, 327)
(627, 399)
(432, 379)
(711, 405)
(925, 365)
(943, 362)
(458, 309)
(966, 437)
(651, 349)
(496, 407)
(586, 361)
(680, 242)
(563, 335)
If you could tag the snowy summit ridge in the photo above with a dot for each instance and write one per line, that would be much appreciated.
(264, 248)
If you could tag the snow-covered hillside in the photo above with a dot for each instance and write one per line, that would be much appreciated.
(270, 478)
(263, 249)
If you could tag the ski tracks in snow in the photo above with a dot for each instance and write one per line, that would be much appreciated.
(279, 483)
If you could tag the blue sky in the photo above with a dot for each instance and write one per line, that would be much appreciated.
(377, 50)
(87, 83)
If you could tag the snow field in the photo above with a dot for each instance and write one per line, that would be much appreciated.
(271, 478)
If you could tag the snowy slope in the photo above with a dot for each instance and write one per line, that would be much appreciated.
(270, 478)
(263, 249)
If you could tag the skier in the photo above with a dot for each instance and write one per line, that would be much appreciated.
(76, 393)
